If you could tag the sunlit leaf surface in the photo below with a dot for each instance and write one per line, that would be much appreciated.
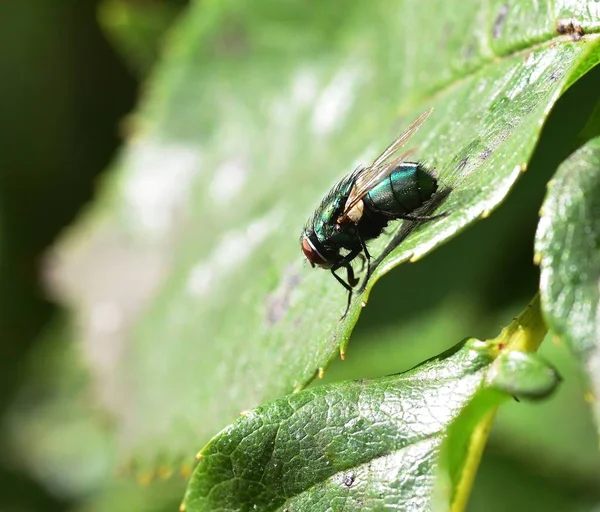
(568, 248)
(363, 445)
(186, 277)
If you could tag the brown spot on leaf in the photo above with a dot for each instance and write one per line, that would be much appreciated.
(499, 23)
(555, 76)
(469, 50)
(570, 27)
(349, 479)
(485, 153)
(278, 302)
(233, 40)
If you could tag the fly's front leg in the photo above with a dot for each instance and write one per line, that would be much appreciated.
(345, 263)
(352, 280)
(346, 285)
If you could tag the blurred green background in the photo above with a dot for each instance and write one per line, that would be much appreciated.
(66, 86)
(64, 92)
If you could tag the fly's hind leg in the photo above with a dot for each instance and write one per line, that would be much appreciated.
(423, 218)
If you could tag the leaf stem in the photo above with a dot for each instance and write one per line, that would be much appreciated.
(473, 458)
(525, 333)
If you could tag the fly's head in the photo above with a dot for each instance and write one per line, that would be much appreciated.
(322, 244)
(313, 250)
(324, 237)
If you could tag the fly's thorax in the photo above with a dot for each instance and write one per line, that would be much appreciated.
(325, 221)
(407, 188)
(334, 235)
(356, 212)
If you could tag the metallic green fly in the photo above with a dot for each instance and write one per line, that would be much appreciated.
(359, 207)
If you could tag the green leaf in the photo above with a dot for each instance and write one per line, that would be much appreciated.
(568, 250)
(188, 271)
(359, 445)
(523, 375)
(341, 444)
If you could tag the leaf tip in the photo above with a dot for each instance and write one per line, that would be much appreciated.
(182, 507)
(199, 456)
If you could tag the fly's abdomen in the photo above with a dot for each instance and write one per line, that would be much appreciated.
(403, 191)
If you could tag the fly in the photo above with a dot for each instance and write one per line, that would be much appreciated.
(359, 207)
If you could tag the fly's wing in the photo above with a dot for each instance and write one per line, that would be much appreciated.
(402, 139)
(372, 175)
(392, 164)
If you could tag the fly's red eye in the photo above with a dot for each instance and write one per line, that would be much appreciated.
(311, 254)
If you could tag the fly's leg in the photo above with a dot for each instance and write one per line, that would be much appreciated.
(352, 280)
(423, 217)
(345, 263)
(363, 260)
(367, 256)
(346, 285)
